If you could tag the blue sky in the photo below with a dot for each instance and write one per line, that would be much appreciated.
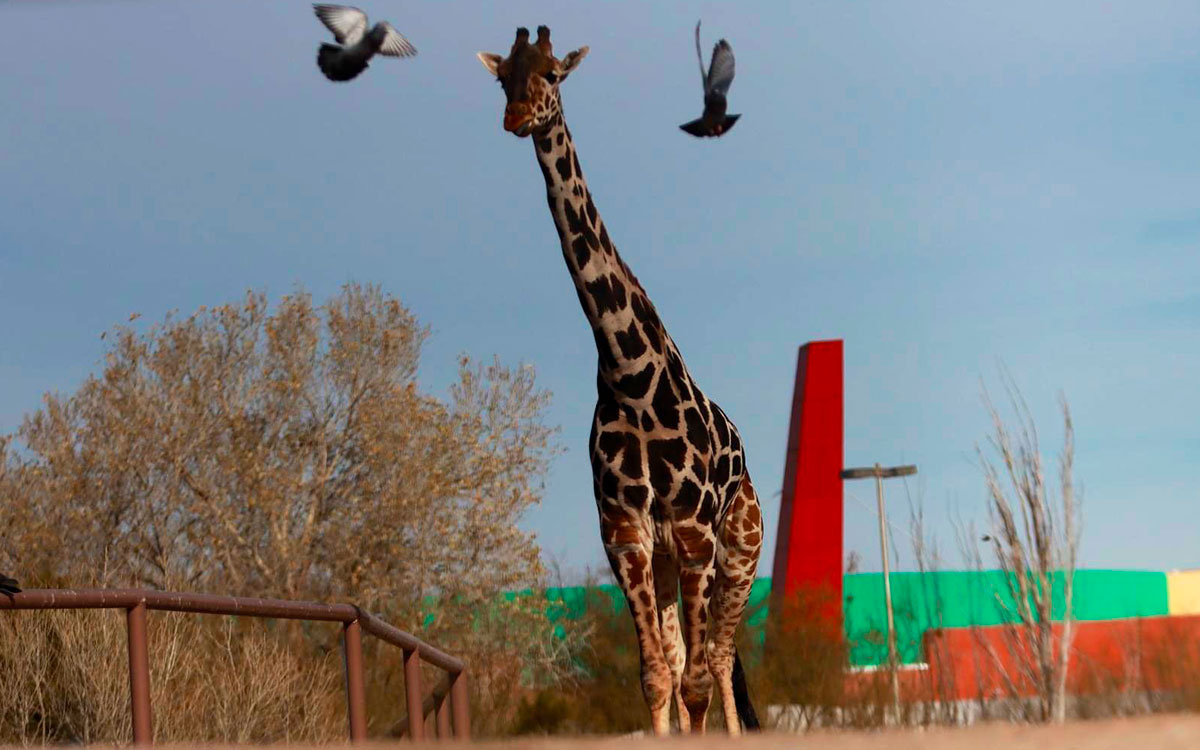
(942, 185)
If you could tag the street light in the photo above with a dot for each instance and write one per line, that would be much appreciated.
(880, 473)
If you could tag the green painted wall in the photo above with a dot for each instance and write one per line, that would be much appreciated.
(930, 600)
(960, 599)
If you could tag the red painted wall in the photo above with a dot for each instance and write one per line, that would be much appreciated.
(1149, 653)
(808, 548)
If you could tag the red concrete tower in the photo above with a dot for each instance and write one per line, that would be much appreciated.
(808, 547)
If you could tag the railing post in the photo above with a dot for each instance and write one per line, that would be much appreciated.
(441, 706)
(459, 706)
(139, 674)
(356, 696)
(412, 695)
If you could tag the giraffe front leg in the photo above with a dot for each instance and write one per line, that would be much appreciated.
(666, 594)
(740, 542)
(695, 547)
(631, 564)
(696, 584)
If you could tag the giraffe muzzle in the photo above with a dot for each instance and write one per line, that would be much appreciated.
(518, 121)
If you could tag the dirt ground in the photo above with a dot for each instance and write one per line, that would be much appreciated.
(1150, 733)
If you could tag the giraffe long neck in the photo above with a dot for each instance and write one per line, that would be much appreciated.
(630, 339)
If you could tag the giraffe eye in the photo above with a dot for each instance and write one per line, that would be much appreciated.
(551, 77)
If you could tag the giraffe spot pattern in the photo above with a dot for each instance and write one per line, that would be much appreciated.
(608, 484)
(666, 403)
(631, 460)
(563, 165)
(630, 413)
(602, 295)
(636, 386)
(631, 342)
(636, 495)
(663, 456)
(574, 220)
(582, 252)
(688, 494)
(697, 431)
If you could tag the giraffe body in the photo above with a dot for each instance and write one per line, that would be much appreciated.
(679, 518)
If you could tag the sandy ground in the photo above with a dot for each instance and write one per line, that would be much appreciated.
(1151, 733)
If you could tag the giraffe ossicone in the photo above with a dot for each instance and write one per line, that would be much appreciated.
(679, 519)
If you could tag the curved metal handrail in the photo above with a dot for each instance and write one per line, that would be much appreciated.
(354, 620)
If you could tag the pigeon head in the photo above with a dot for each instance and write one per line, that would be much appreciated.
(530, 76)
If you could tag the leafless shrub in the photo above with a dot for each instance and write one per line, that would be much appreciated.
(803, 660)
(596, 638)
(934, 701)
(1034, 538)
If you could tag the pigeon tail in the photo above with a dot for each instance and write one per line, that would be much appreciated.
(8, 585)
(337, 65)
(705, 128)
(696, 127)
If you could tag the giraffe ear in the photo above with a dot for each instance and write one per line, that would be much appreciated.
(571, 61)
(490, 60)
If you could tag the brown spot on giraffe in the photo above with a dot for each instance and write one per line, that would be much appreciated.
(678, 514)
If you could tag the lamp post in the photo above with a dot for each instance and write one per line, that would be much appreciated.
(880, 473)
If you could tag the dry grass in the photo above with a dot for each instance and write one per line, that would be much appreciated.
(65, 678)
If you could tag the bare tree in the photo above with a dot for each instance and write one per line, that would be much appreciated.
(289, 451)
(1034, 537)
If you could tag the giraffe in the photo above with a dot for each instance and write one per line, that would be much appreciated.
(679, 518)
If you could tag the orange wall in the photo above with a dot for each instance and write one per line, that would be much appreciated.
(1152, 653)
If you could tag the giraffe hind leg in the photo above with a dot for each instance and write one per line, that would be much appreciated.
(666, 594)
(739, 545)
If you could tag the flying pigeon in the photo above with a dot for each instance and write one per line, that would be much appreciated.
(716, 80)
(358, 45)
(8, 585)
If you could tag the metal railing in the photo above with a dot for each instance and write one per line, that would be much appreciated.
(354, 621)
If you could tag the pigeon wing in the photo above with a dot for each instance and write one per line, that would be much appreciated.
(8, 585)
(700, 58)
(720, 72)
(347, 24)
(394, 43)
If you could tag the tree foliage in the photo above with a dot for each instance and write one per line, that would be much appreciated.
(288, 452)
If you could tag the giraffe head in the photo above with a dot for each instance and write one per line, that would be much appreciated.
(531, 75)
